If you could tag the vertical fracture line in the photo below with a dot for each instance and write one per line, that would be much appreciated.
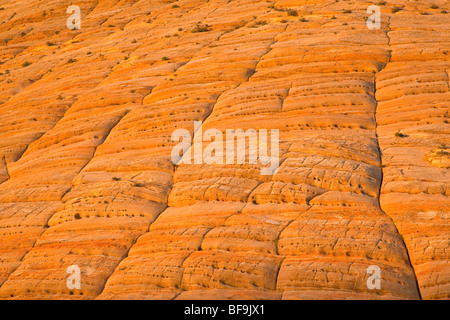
(380, 155)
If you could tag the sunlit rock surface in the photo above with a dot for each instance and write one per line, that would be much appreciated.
(87, 179)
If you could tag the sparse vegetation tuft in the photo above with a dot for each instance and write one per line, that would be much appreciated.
(138, 184)
(260, 23)
(292, 13)
(201, 28)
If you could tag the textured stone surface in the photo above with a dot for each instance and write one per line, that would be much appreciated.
(86, 176)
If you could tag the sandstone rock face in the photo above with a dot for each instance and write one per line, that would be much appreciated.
(87, 179)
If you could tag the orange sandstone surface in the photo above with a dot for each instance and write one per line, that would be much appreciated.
(87, 179)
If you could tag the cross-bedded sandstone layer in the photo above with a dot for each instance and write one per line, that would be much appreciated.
(86, 176)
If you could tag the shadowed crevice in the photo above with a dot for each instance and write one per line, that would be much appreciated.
(380, 155)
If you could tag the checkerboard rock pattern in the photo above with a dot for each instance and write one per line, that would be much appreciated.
(86, 176)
